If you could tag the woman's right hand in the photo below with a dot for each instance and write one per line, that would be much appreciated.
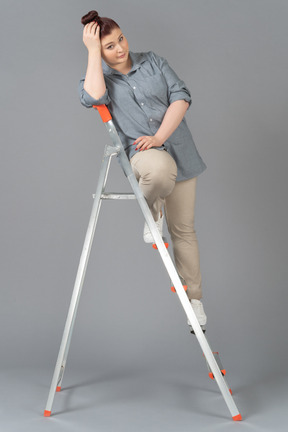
(91, 36)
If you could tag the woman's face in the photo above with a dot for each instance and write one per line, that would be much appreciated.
(115, 49)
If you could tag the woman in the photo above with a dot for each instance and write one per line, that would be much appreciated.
(148, 102)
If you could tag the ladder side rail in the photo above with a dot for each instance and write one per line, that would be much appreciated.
(172, 271)
(183, 297)
(103, 175)
(69, 325)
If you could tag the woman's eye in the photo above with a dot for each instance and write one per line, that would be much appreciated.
(110, 46)
(121, 38)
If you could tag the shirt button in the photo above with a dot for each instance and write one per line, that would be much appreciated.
(142, 103)
(151, 119)
(134, 88)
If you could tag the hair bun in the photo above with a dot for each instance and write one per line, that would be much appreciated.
(91, 16)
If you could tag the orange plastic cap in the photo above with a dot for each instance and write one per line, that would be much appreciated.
(47, 413)
(174, 290)
(237, 417)
(155, 246)
(104, 112)
(58, 389)
(211, 375)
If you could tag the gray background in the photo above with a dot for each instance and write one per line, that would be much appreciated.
(133, 364)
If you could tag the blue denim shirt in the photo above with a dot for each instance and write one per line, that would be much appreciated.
(138, 102)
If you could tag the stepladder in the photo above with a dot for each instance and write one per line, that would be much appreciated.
(115, 148)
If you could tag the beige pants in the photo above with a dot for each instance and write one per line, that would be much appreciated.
(156, 173)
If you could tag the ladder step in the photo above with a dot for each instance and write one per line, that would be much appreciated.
(223, 371)
(117, 196)
(217, 358)
(174, 290)
(165, 243)
(183, 283)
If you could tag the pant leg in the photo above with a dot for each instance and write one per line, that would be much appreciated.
(156, 173)
(179, 211)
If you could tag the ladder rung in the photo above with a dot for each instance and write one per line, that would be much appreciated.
(117, 196)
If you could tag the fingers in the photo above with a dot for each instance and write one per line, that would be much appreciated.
(91, 29)
(143, 143)
(147, 142)
(91, 36)
(138, 142)
(95, 28)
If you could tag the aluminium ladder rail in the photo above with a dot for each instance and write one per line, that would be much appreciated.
(111, 150)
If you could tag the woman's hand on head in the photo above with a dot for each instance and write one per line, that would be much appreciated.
(91, 36)
(147, 142)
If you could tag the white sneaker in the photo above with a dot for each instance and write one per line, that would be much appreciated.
(147, 236)
(199, 312)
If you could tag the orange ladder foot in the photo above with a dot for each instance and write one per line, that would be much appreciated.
(47, 413)
(237, 417)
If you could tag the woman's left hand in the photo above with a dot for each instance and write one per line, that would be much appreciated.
(147, 142)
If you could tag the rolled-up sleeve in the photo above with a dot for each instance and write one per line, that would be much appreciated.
(177, 87)
(87, 100)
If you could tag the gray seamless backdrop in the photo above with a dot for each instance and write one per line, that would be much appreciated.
(232, 54)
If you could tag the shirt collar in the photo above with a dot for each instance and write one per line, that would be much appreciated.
(137, 60)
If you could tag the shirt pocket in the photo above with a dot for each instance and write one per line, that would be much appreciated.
(155, 89)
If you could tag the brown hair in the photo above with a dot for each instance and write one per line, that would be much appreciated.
(106, 24)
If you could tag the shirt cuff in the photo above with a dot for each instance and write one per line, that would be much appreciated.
(180, 96)
(88, 101)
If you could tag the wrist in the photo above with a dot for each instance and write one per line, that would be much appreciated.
(94, 52)
(160, 139)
